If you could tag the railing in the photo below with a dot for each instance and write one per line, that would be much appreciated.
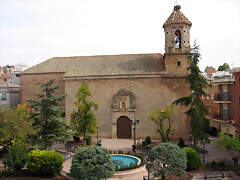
(222, 116)
(224, 96)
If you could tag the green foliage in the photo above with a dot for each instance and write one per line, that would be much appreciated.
(91, 163)
(193, 159)
(181, 143)
(5, 173)
(88, 140)
(76, 138)
(144, 144)
(15, 124)
(120, 152)
(148, 140)
(44, 162)
(221, 165)
(167, 159)
(197, 110)
(224, 67)
(47, 118)
(229, 143)
(16, 156)
(83, 119)
(164, 119)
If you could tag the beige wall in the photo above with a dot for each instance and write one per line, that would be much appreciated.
(172, 66)
(29, 87)
(150, 93)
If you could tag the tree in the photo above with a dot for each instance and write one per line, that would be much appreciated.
(92, 163)
(83, 119)
(164, 119)
(167, 159)
(230, 144)
(197, 110)
(224, 67)
(15, 125)
(48, 117)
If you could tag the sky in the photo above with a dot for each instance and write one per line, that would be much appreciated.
(32, 31)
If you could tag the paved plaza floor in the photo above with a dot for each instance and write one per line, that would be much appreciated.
(126, 145)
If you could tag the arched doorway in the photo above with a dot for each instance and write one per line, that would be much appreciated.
(124, 130)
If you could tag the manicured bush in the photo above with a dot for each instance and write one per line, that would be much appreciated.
(91, 163)
(16, 156)
(181, 143)
(44, 162)
(193, 158)
(88, 140)
(148, 140)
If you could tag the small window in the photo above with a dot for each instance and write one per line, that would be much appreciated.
(5, 79)
(4, 96)
(179, 63)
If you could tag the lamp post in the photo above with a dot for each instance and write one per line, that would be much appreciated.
(203, 142)
(191, 139)
(97, 133)
(148, 162)
(134, 123)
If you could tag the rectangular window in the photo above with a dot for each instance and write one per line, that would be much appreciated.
(4, 96)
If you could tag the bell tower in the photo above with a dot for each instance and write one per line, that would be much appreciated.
(177, 43)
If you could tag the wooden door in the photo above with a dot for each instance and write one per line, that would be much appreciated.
(124, 130)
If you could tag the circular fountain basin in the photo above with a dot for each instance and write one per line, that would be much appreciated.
(127, 160)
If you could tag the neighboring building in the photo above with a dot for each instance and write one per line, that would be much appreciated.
(126, 87)
(223, 101)
(236, 74)
(9, 91)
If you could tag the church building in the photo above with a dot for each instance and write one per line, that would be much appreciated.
(126, 87)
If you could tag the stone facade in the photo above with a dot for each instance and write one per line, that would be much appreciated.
(129, 86)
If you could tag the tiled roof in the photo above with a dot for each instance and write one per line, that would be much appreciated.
(177, 17)
(107, 65)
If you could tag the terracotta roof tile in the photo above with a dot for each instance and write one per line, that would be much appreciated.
(177, 17)
(124, 64)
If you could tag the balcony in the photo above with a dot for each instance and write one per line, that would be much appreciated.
(224, 96)
(222, 116)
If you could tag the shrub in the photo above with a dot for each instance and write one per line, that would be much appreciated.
(148, 140)
(221, 164)
(76, 138)
(144, 143)
(91, 163)
(44, 162)
(213, 131)
(212, 165)
(167, 159)
(181, 143)
(88, 140)
(16, 156)
(120, 152)
(193, 158)
(5, 173)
